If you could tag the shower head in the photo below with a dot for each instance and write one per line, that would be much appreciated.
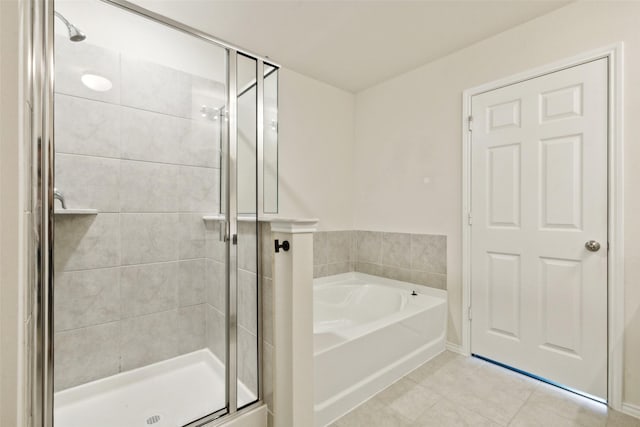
(75, 35)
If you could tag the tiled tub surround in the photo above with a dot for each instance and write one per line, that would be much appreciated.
(137, 283)
(414, 258)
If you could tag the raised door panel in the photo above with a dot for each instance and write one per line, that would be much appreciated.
(561, 307)
(503, 168)
(561, 182)
(561, 103)
(504, 115)
(503, 284)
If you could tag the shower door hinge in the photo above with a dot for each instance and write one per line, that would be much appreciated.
(469, 218)
(469, 312)
(470, 122)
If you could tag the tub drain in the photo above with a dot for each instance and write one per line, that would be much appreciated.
(154, 419)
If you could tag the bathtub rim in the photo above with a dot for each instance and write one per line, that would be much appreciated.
(424, 289)
(356, 332)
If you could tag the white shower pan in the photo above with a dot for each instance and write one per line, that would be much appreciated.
(170, 393)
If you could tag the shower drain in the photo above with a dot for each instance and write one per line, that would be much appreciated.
(153, 419)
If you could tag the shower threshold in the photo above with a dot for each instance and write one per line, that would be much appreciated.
(170, 393)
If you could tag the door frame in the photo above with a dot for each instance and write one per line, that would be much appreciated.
(615, 209)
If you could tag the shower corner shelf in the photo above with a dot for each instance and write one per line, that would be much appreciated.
(74, 211)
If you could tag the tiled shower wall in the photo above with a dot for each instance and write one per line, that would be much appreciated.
(414, 258)
(134, 282)
(247, 298)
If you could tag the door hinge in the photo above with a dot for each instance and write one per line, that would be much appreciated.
(469, 218)
(469, 312)
(470, 123)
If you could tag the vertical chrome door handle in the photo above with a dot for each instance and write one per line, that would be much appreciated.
(592, 246)
(224, 231)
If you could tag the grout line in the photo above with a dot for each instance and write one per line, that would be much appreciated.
(520, 408)
(124, 159)
(120, 106)
(138, 265)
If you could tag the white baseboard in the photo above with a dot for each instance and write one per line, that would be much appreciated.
(629, 409)
(456, 348)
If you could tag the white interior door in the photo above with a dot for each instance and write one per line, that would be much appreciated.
(539, 193)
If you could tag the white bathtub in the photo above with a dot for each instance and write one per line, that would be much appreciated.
(369, 332)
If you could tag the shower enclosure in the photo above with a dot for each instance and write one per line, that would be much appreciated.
(155, 154)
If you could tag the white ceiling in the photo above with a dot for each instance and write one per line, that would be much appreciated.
(352, 44)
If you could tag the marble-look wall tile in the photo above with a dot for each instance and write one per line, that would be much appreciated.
(207, 92)
(396, 273)
(247, 249)
(86, 298)
(201, 144)
(429, 253)
(338, 268)
(86, 241)
(216, 284)
(148, 288)
(88, 182)
(333, 253)
(216, 332)
(154, 87)
(137, 195)
(369, 246)
(73, 59)
(149, 237)
(83, 126)
(319, 248)
(320, 271)
(142, 154)
(368, 268)
(396, 250)
(413, 258)
(354, 248)
(198, 189)
(86, 354)
(192, 287)
(192, 236)
(149, 339)
(433, 280)
(216, 248)
(191, 328)
(338, 246)
(150, 136)
(248, 300)
(248, 359)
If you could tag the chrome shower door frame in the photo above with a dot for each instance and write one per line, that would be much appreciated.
(43, 167)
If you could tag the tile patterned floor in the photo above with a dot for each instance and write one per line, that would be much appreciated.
(453, 390)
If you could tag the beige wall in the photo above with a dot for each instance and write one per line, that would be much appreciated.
(409, 129)
(315, 155)
(10, 218)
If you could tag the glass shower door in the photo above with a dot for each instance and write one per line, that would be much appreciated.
(248, 231)
(140, 294)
